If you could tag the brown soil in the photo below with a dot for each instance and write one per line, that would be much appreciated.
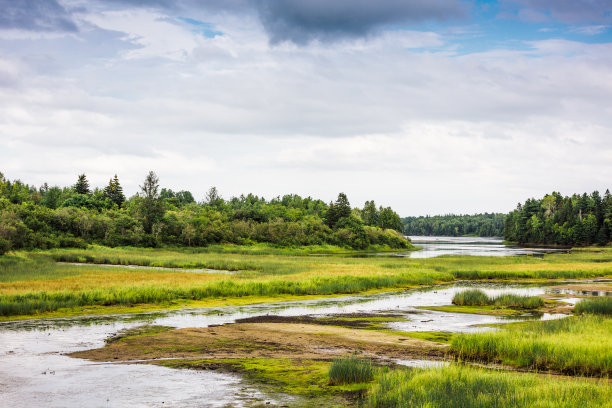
(265, 340)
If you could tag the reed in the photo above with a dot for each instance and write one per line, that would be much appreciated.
(599, 305)
(577, 345)
(460, 387)
(351, 370)
(476, 297)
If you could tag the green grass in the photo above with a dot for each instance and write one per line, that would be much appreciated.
(578, 345)
(476, 297)
(31, 283)
(45, 301)
(306, 379)
(599, 305)
(462, 387)
(351, 370)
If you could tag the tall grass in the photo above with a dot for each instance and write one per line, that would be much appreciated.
(42, 301)
(574, 345)
(351, 370)
(461, 387)
(599, 305)
(476, 297)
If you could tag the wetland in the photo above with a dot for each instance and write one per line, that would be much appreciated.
(260, 347)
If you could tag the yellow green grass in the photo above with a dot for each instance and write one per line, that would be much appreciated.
(32, 284)
(459, 386)
(578, 345)
(477, 297)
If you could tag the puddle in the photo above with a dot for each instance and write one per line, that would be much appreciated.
(161, 268)
(33, 347)
(558, 291)
(422, 363)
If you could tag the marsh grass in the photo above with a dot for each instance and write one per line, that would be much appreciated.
(45, 301)
(476, 297)
(460, 387)
(577, 345)
(31, 283)
(351, 370)
(598, 305)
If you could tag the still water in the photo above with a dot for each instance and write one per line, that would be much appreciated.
(478, 246)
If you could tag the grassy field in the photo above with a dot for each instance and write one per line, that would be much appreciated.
(578, 345)
(457, 386)
(33, 284)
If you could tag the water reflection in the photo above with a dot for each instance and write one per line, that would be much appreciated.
(476, 246)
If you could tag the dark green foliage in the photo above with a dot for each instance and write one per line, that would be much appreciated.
(482, 225)
(114, 191)
(369, 214)
(82, 185)
(476, 297)
(351, 370)
(53, 217)
(599, 305)
(576, 220)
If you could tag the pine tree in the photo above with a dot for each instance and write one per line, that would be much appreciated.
(114, 191)
(82, 185)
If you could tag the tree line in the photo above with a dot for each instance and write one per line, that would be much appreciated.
(577, 220)
(482, 225)
(77, 215)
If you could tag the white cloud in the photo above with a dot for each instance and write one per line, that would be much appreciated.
(421, 130)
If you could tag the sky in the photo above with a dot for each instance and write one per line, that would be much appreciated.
(427, 106)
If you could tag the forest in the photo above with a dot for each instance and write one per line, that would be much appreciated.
(577, 220)
(75, 216)
(481, 225)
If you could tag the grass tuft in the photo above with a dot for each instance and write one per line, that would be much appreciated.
(459, 387)
(599, 305)
(351, 370)
(476, 297)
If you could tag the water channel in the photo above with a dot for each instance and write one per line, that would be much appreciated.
(35, 372)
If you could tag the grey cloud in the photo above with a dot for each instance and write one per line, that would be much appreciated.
(567, 11)
(303, 21)
(35, 15)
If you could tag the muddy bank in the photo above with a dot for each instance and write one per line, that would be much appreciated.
(265, 340)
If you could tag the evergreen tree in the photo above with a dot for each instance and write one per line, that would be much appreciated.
(151, 207)
(82, 185)
(342, 205)
(114, 191)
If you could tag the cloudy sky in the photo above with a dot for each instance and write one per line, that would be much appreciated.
(429, 106)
